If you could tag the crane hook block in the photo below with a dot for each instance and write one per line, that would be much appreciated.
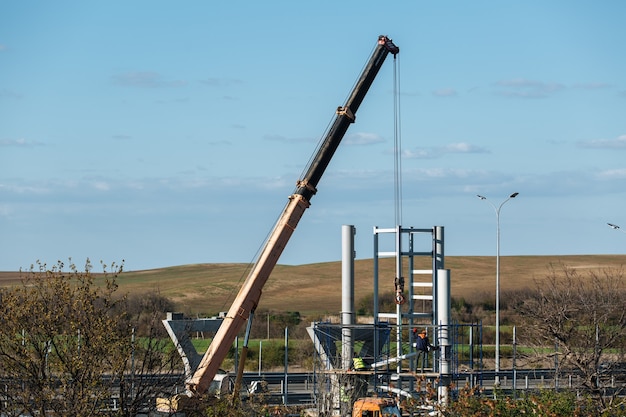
(400, 298)
(399, 284)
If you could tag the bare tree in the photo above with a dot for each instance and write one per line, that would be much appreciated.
(584, 315)
(152, 366)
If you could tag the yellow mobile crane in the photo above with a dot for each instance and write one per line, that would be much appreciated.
(248, 297)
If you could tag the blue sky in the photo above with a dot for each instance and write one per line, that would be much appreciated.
(164, 133)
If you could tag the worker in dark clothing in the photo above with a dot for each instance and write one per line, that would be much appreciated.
(422, 345)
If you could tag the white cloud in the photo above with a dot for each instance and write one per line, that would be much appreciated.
(617, 143)
(591, 86)
(463, 147)
(437, 152)
(145, 79)
(445, 92)
(524, 88)
(26, 189)
(102, 186)
(418, 153)
(363, 139)
(212, 81)
(613, 174)
(22, 143)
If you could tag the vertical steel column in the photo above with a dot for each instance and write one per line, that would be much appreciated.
(438, 263)
(376, 266)
(347, 294)
(412, 363)
(443, 333)
(286, 375)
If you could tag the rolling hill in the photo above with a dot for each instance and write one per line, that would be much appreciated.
(316, 288)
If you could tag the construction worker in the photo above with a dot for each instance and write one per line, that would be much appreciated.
(345, 398)
(358, 363)
(423, 346)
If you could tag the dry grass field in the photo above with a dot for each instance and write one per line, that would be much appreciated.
(315, 289)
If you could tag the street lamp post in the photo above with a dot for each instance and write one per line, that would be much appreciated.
(497, 210)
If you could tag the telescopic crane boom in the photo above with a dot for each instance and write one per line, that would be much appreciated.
(250, 293)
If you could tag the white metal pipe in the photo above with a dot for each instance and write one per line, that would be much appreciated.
(443, 334)
(439, 247)
(347, 293)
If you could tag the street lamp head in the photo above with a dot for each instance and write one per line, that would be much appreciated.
(481, 197)
(613, 226)
(513, 195)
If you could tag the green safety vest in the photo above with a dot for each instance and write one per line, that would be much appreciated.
(359, 364)
(344, 395)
